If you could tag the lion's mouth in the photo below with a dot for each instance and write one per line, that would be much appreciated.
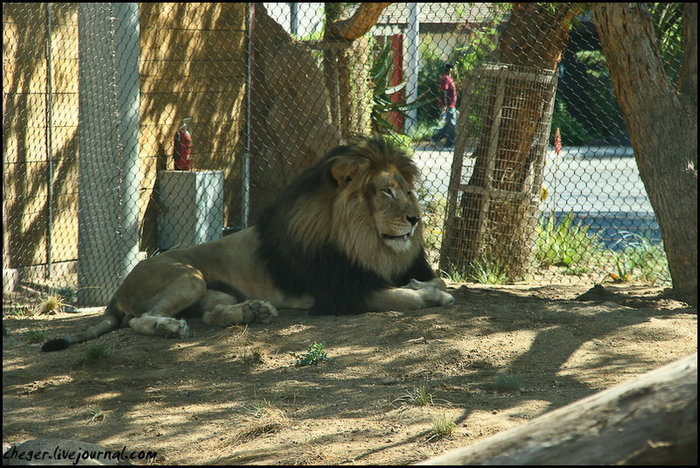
(401, 237)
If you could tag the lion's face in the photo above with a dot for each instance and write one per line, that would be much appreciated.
(394, 208)
(360, 201)
(376, 216)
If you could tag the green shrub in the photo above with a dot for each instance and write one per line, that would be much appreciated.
(565, 244)
(487, 270)
(442, 427)
(641, 259)
(96, 352)
(508, 383)
(314, 355)
(573, 133)
(35, 336)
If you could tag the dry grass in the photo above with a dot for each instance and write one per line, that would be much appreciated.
(262, 417)
(52, 304)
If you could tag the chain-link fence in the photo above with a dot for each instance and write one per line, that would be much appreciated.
(527, 175)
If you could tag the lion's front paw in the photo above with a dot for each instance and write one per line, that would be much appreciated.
(170, 327)
(446, 298)
(434, 296)
(259, 311)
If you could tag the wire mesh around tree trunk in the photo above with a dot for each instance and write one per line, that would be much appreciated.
(493, 204)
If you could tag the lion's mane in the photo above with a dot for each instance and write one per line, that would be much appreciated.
(319, 238)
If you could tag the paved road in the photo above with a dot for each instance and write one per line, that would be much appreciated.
(601, 186)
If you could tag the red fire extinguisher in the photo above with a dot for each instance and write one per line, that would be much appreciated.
(183, 147)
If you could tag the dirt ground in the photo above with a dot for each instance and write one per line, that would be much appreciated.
(501, 355)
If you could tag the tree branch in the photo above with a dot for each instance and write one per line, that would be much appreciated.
(358, 24)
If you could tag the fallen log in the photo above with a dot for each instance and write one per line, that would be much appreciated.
(649, 420)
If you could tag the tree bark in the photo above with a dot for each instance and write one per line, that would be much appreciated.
(662, 123)
(499, 227)
(347, 65)
(650, 420)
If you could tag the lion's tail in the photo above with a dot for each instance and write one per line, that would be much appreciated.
(111, 321)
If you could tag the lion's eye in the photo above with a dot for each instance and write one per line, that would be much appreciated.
(388, 192)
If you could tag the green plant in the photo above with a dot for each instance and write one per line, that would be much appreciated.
(420, 396)
(667, 18)
(16, 310)
(477, 47)
(421, 131)
(508, 383)
(455, 275)
(388, 98)
(572, 131)
(96, 351)
(641, 259)
(400, 141)
(481, 45)
(66, 292)
(94, 414)
(623, 271)
(35, 336)
(487, 270)
(52, 304)
(606, 116)
(432, 67)
(253, 356)
(314, 355)
(565, 244)
(442, 427)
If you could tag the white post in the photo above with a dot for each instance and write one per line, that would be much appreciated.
(109, 176)
(411, 60)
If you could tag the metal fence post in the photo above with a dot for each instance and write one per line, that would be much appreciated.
(108, 130)
(49, 141)
(412, 42)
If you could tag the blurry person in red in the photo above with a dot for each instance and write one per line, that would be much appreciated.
(447, 103)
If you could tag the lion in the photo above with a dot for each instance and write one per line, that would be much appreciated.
(344, 237)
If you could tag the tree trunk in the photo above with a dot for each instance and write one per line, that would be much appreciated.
(501, 227)
(662, 123)
(651, 420)
(347, 65)
(291, 127)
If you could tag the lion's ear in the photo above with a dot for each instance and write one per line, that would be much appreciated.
(344, 169)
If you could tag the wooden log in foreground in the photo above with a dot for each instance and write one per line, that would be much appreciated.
(649, 420)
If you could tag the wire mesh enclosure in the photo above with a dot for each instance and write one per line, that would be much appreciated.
(505, 121)
(104, 105)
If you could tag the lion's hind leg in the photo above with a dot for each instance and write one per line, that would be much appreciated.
(154, 325)
(224, 310)
(154, 314)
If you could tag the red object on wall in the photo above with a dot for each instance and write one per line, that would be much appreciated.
(397, 77)
(557, 141)
(183, 148)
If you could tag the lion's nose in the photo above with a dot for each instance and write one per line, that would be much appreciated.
(413, 220)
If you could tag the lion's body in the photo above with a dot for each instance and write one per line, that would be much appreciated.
(344, 237)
